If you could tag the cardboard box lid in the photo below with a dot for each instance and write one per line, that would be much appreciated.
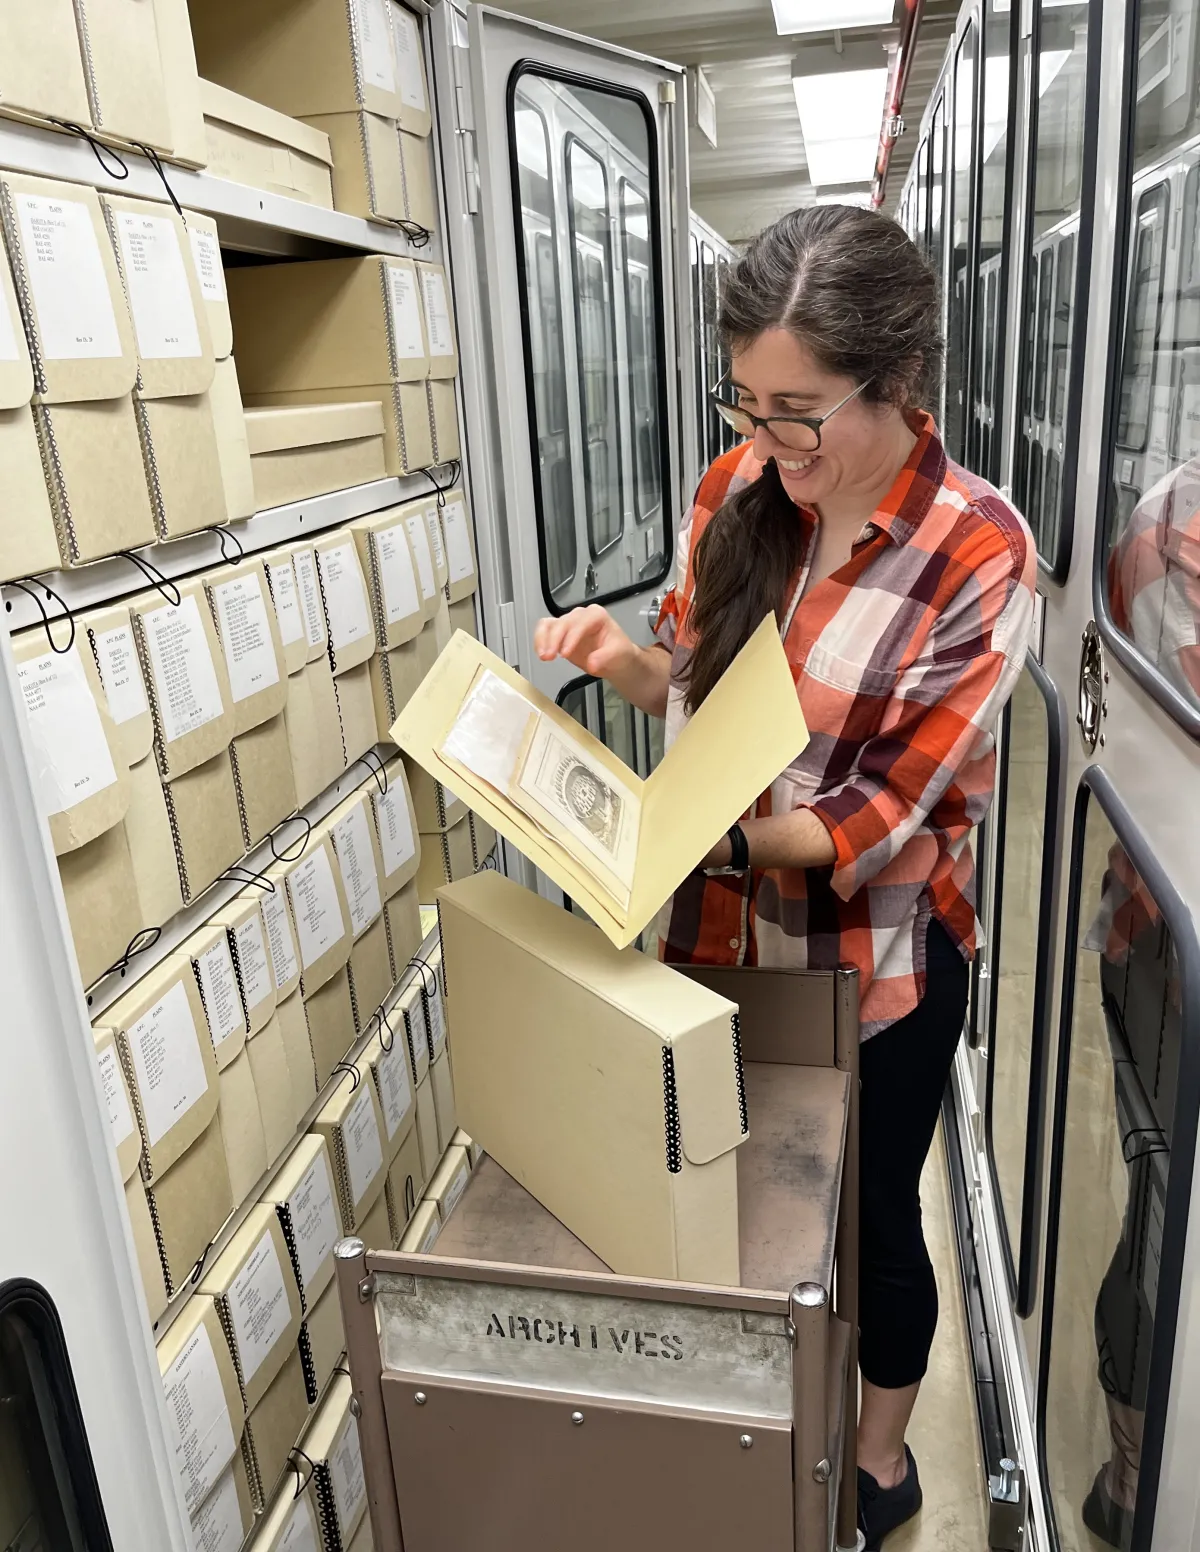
(205, 240)
(348, 612)
(304, 1195)
(332, 1444)
(16, 369)
(226, 107)
(114, 650)
(291, 1523)
(312, 607)
(249, 631)
(251, 951)
(255, 1289)
(284, 427)
(395, 829)
(208, 949)
(438, 310)
(389, 1068)
(185, 673)
(352, 1124)
(421, 1234)
(748, 730)
(82, 782)
(450, 1179)
(168, 1059)
(319, 911)
(76, 321)
(162, 289)
(289, 608)
(356, 847)
(391, 571)
(126, 1137)
(204, 1400)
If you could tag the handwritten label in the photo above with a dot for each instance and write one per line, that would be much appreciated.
(364, 1150)
(185, 677)
(314, 1220)
(258, 1306)
(407, 332)
(408, 59)
(418, 537)
(219, 986)
(346, 1475)
(459, 549)
(345, 593)
(70, 755)
(438, 326)
(199, 1417)
(282, 579)
(120, 1117)
(395, 1088)
(74, 306)
(167, 1060)
(310, 597)
(396, 840)
(206, 255)
(120, 673)
(356, 860)
(279, 937)
(315, 907)
(257, 982)
(156, 280)
(246, 636)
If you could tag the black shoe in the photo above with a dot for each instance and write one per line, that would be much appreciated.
(1109, 1521)
(882, 1509)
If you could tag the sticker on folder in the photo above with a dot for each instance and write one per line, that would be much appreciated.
(617, 844)
(75, 316)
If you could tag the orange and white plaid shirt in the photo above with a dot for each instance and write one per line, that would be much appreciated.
(903, 660)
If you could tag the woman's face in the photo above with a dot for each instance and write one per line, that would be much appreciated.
(775, 374)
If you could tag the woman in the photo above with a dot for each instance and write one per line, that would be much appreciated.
(903, 588)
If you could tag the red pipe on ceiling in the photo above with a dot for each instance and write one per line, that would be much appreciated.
(909, 28)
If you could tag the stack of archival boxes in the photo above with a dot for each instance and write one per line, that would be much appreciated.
(353, 73)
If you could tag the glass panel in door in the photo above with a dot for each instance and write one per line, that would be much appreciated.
(994, 228)
(642, 356)
(712, 350)
(962, 278)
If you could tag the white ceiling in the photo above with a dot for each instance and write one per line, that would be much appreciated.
(757, 171)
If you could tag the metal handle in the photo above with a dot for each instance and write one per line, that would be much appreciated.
(651, 610)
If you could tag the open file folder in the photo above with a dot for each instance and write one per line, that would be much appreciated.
(616, 844)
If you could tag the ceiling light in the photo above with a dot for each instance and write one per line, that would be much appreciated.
(840, 118)
(793, 16)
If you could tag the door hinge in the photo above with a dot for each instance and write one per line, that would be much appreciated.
(470, 169)
(508, 635)
(666, 92)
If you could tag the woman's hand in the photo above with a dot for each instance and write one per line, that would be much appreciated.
(589, 638)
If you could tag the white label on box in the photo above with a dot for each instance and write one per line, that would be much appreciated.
(418, 1029)
(168, 1062)
(185, 677)
(418, 537)
(160, 298)
(438, 327)
(252, 961)
(75, 316)
(279, 936)
(345, 595)
(282, 579)
(315, 906)
(458, 539)
(375, 44)
(364, 1150)
(246, 636)
(396, 575)
(406, 312)
(258, 1306)
(433, 524)
(218, 984)
(206, 254)
(120, 1117)
(436, 1014)
(396, 840)
(310, 597)
(429, 1238)
(314, 1220)
(8, 334)
(346, 1474)
(455, 1189)
(408, 59)
(356, 859)
(71, 758)
(395, 1088)
(300, 1534)
(199, 1413)
(217, 1524)
(121, 673)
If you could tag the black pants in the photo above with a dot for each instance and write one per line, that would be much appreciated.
(904, 1072)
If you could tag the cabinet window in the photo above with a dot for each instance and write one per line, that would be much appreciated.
(641, 354)
(962, 268)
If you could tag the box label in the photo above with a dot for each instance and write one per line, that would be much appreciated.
(458, 539)
(433, 524)
(375, 44)
(397, 579)
(9, 350)
(346, 1475)
(257, 983)
(310, 597)
(246, 636)
(314, 1220)
(160, 297)
(120, 1117)
(438, 326)
(407, 332)
(418, 537)
(185, 677)
(418, 1030)
(75, 316)
(395, 1088)
(396, 839)
(282, 580)
(199, 1414)
(279, 936)
(345, 595)
(218, 984)
(71, 758)
(408, 59)
(455, 1189)
(360, 1135)
(315, 907)
(258, 1306)
(206, 254)
(356, 859)
(300, 1534)
(168, 1062)
(217, 1524)
(120, 673)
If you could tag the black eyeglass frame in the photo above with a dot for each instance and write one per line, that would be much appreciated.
(813, 422)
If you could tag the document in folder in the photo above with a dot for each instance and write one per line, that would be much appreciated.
(617, 844)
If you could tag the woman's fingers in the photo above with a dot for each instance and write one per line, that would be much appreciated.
(575, 636)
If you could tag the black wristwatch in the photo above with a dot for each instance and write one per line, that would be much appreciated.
(739, 861)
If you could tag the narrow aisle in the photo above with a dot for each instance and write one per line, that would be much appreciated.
(944, 1434)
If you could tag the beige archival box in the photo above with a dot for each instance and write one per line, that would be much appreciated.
(124, 73)
(568, 1054)
(256, 146)
(446, 855)
(462, 572)
(421, 1235)
(420, 198)
(290, 1523)
(348, 612)
(395, 829)
(101, 894)
(390, 566)
(272, 1075)
(41, 71)
(368, 176)
(244, 612)
(332, 1444)
(204, 1400)
(28, 540)
(242, 1130)
(438, 313)
(331, 1028)
(226, 1516)
(114, 650)
(182, 83)
(233, 447)
(450, 1180)
(255, 1290)
(307, 450)
(320, 913)
(405, 1183)
(275, 1423)
(352, 1126)
(247, 935)
(211, 955)
(370, 970)
(314, 730)
(304, 1197)
(322, 1342)
(293, 1027)
(186, 676)
(356, 712)
(407, 416)
(402, 913)
(414, 116)
(205, 823)
(210, 272)
(289, 609)
(263, 775)
(390, 1073)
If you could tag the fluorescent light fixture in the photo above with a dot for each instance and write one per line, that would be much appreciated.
(793, 16)
(840, 119)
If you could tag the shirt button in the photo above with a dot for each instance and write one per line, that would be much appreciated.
(869, 531)
(735, 942)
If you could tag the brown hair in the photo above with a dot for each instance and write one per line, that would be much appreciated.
(853, 288)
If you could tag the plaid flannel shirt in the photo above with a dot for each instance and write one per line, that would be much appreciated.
(903, 660)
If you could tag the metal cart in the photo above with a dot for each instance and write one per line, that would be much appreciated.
(515, 1395)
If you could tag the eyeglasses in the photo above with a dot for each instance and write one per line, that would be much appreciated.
(801, 432)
